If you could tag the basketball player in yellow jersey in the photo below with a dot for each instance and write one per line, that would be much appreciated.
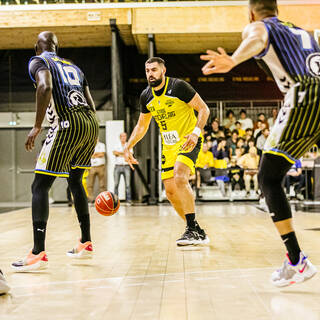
(172, 103)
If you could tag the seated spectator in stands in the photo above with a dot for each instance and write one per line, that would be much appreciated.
(261, 140)
(259, 133)
(241, 132)
(248, 144)
(273, 118)
(257, 129)
(229, 121)
(294, 175)
(213, 130)
(250, 162)
(220, 150)
(204, 166)
(245, 122)
(262, 118)
(236, 175)
(249, 134)
(232, 143)
(240, 150)
(227, 133)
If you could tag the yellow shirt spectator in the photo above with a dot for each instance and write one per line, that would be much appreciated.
(205, 158)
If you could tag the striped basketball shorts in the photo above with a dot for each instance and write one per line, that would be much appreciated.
(69, 144)
(297, 127)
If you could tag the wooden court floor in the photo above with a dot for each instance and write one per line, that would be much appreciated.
(138, 273)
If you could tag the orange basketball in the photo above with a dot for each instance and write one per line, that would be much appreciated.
(107, 203)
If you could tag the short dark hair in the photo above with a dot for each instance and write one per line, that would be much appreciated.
(156, 59)
(243, 111)
(264, 6)
(229, 112)
(235, 131)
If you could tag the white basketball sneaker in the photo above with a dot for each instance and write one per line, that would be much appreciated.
(4, 288)
(289, 274)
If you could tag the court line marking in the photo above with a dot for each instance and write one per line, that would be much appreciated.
(142, 276)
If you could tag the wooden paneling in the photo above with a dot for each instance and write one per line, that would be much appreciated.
(178, 27)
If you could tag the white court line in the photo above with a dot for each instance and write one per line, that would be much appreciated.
(139, 277)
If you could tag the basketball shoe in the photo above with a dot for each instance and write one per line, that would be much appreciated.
(190, 237)
(4, 288)
(289, 274)
(203, 236)
(81, 251)
(31, 262)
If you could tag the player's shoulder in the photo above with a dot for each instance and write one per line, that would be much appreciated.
(146, 95)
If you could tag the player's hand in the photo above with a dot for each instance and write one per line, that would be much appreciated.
(218, 62)
(128, 157)
(192, 140)
(29, 145)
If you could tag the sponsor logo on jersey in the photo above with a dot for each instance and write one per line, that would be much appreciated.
(76, 98)
(313, 64)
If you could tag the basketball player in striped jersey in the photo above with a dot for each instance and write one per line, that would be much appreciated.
(172, 103)
(292, 57)
(63, 94)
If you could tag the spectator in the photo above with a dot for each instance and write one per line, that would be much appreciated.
(241, 132)
(245, 122)
(249, 134)
(257, 129)
(220, 150)
(236, 175)
(240, 150)
(213, 131)
(294, 175)
(229, 121)
(204, 165)
(250, 162)
(122, 167)
(262, 139)
(98, 169)
(262, 127)
(273, 118)
(248, 144)
(262, 118)
(232, 143)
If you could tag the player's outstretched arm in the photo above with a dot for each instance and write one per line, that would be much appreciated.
(138, 133)
(89, 98)
(43, 97)
(254, 41)
(203, 114)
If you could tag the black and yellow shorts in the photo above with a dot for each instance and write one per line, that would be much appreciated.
(69, 144)
(173, 154)
(297, 127)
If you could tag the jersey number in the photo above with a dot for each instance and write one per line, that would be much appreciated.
(69, 75)
(304, 37)
(163, 125)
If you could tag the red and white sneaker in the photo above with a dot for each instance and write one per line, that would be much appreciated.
(31, 262)
(81, 251)
(289, 274)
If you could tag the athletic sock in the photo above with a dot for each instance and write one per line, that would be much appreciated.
(39, 236)
(84, 221)
(291, 242)
(191, 222)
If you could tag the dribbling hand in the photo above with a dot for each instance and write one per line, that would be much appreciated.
(192, 140)
(128, 157)
(29, 145)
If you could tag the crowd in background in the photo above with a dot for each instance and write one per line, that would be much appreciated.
(232, 151)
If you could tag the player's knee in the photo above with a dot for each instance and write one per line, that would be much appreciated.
(180, 180)
(170, 192)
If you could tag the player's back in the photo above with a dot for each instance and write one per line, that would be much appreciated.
(292, 54)
(68, 81)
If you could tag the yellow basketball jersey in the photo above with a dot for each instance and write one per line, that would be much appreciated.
(174, 117)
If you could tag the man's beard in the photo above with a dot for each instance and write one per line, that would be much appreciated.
(155, 83)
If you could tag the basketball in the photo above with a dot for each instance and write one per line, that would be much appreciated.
(107, 203)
